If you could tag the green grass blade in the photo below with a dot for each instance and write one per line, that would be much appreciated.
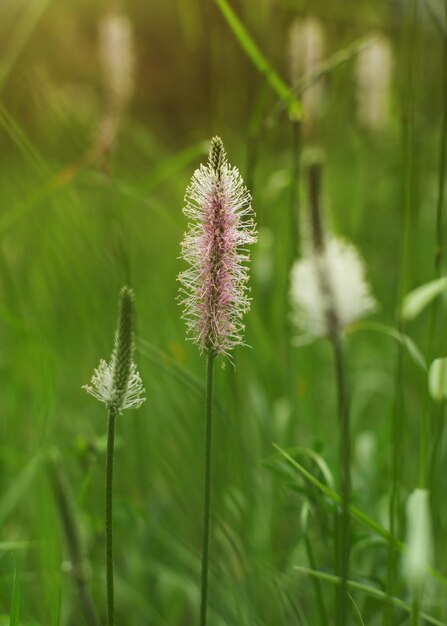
(368, 590)
(282, 90)
(338, 58)
(19, 137)
(18, 488)
(170, 166)
(407, 342)
(29, 18)
(356, 513)
(170, 366)
(15, 602)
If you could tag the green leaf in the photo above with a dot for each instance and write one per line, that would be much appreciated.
(354, 512)
(282, 90)
(368, 590)
(418, 299)
(408, 343)
(437, 379)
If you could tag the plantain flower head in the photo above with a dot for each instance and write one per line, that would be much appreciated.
(214, 290)
(306, 53)
(118, 383)
(328, 289)
(374, 78)
(116, 50)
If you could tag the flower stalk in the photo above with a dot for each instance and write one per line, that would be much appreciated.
(214, 291)
(118, 385)
(328, 292)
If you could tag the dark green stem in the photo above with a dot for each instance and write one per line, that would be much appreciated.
(317, 583)
(439, 252)
(294, 186)
(345, 465)
(109, 513)
(207, 486)
(409, 47)
(67, 512)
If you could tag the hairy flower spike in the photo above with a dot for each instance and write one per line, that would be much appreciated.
(214, 289)
(118, 383)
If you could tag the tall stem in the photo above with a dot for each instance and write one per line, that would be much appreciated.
(345, 463)
(439, 252)
(294, 185)
(207, 486)
(409, 49)
(415, 613)
(109, 512)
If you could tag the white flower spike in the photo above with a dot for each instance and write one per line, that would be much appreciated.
(118, 384)
(349, 294)
(328, 289)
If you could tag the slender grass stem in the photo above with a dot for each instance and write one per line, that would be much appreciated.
(438, 310)
(345, 466)
(409, 45)
(207, 486)
(66, 508)
(294, 184)
(109, 513)
(415, 612)
(317, 585)
(439, 251)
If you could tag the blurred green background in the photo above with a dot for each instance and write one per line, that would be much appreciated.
(80, 217)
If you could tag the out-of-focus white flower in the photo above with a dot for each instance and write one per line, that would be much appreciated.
(329, 288)
(437, 379)
(365, 449)
(116, 51)
(373, 77)
(306, 50)
(419, 554)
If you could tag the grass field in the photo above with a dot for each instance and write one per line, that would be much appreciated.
(85, 211)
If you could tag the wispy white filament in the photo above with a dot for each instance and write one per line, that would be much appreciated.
(331, 281)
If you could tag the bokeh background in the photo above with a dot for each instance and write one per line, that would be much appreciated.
(93, 169)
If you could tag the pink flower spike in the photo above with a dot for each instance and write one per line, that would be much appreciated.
(214, 290)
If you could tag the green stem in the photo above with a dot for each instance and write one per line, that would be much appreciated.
(67, 511)
(345, 464)
(294, 185)
(207, 487)
(439, 252)
(415, 613)
(317, 586)
(408, 47)
(109, 512)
